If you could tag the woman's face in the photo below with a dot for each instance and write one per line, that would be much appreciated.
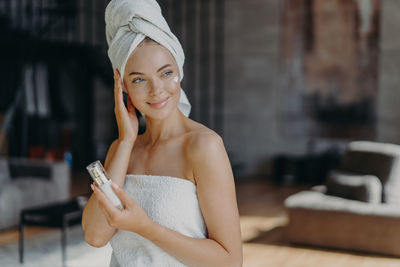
(152, 80)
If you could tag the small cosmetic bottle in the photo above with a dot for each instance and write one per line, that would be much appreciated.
(99, 175)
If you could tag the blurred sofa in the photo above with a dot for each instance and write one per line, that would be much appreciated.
(25, 183)
(358, 208)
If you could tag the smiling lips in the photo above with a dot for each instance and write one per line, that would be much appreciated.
(159, 104)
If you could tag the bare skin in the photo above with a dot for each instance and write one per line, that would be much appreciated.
(173, 145)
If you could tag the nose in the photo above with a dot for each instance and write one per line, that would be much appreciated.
(155, 87)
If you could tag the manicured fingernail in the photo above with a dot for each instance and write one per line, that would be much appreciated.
(91, 185)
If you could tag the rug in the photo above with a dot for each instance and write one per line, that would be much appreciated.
(44, 250)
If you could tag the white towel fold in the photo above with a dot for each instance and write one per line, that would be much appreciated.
(128, 22)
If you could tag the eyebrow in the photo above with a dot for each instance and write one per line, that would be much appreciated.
(160, 69)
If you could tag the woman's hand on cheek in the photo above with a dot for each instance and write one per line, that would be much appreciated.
(127, 120)
(132, 218)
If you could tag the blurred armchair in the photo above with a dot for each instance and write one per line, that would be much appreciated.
(359, 206)
(25, 183)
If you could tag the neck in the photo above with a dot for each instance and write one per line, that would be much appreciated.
(161, 129)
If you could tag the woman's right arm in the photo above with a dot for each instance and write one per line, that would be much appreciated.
(96, 228)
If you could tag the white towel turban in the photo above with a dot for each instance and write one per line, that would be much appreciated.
(128, 22)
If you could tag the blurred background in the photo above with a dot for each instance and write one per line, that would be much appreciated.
(271, 77)
(288, 84)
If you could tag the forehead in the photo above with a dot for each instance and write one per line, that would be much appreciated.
(149, 56)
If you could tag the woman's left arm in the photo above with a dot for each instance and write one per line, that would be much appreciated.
(217, 200)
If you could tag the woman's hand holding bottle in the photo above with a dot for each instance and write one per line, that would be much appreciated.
(131, 218)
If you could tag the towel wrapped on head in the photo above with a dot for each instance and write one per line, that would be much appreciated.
(128, 22)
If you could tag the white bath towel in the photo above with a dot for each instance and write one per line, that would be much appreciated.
(169, 201)
(128, 22)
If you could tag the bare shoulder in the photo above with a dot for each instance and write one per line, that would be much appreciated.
(202, 142)
(207, 159)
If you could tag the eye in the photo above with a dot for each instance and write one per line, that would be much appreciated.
(168, 73)
(138, 80)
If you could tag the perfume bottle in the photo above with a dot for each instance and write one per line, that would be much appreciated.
(99, 175)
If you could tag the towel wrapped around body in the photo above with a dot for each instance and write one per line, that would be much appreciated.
(169, 201)
(128, 22)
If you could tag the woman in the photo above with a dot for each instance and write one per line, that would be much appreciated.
(174, 180)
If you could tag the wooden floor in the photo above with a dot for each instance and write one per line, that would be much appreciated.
(263, 220)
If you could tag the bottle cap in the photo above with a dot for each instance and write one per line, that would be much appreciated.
(97, 172)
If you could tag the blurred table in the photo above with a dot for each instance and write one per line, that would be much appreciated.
(59, 215)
